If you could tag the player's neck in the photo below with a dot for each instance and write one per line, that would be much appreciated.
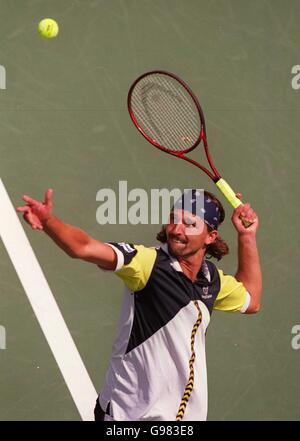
(191, 265)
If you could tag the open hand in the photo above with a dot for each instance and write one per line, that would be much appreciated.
(37, 213)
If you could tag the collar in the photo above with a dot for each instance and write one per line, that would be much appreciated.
(204, 271)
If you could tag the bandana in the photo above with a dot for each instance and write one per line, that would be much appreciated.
(201, 205)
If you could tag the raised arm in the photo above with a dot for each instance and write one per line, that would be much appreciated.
(249, 271)
(75, 242)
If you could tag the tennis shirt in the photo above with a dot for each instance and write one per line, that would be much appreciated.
(149, 366)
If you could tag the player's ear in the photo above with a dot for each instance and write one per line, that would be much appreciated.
(211, 237)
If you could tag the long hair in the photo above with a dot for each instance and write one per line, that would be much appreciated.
(219, 247)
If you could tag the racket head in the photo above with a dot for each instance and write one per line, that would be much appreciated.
(166, 112)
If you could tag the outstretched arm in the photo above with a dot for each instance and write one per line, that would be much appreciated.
(75, 242)
(249, 271)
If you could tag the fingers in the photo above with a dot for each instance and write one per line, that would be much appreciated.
(33, 221)
(23, 209)
(248, 213)
(29, 200)
(239, 196)
(244, 214)
(48, 197)
(35, 212)
(242, 210)
(30, 218)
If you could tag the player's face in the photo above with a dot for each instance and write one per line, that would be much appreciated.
(186, 234)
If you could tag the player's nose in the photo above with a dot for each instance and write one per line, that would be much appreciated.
(178, 229)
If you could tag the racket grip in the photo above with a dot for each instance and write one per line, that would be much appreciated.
(229, 194)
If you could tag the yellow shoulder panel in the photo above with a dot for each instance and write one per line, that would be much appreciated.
(232, 295)
(136, 274)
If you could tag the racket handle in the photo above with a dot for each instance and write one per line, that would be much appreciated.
(229, 194)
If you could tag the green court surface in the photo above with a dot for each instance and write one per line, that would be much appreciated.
(64, 124)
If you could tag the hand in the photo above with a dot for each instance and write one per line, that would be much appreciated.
(37, 213)
(247, 213)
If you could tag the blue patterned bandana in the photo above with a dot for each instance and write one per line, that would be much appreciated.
(196, 202)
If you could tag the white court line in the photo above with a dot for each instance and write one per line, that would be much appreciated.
(45, 308)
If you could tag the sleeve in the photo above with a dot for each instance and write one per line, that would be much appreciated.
(134, 264)
(233, 295)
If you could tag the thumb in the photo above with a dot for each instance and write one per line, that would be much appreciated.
(48, 198)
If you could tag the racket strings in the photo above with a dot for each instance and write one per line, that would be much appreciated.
(179, 102)
(168, 130)
(166, 112)
(190, 384)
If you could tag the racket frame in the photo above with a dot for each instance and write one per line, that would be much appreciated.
(202, 135)
(223, 186)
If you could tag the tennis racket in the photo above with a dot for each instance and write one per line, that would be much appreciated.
(169, 116)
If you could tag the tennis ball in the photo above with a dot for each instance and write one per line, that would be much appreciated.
(48, 28)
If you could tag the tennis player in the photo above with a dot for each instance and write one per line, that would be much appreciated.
(157, 371)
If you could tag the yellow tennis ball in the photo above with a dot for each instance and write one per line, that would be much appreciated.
(48, 28)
